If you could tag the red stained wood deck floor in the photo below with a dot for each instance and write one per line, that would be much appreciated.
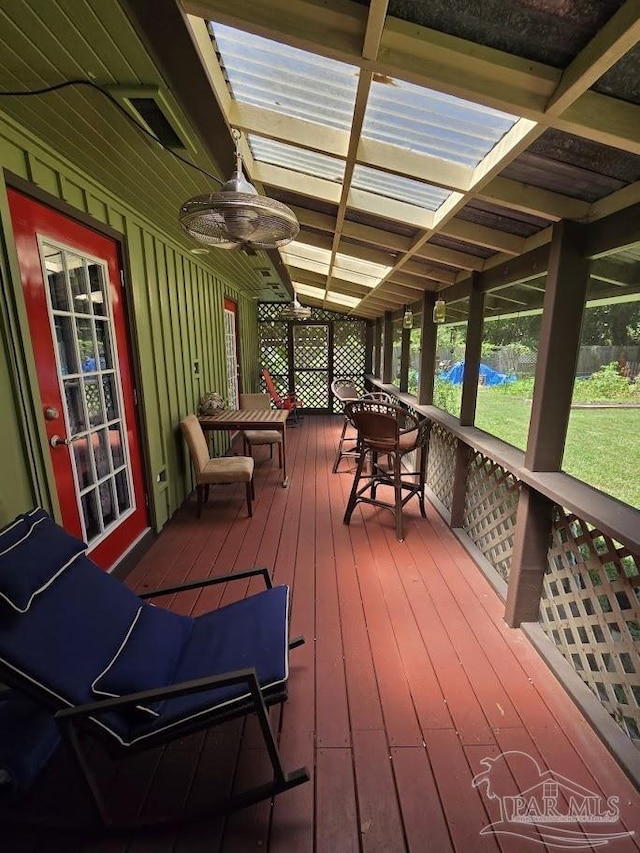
(408, 680)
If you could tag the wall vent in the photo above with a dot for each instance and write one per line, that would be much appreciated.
(149, 107)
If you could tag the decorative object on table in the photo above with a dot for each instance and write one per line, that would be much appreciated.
(210, 404)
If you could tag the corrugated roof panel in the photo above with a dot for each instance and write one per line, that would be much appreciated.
(342, 299)
(401, 189)
(434, 123)
(353, 269)
(306, 257)
(292, 81)
(297, 159)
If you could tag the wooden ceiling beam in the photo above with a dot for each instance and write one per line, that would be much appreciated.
(620, 33)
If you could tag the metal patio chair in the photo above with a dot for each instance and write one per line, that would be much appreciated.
(105, 662)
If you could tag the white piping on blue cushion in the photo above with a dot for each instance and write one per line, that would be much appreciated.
(44, 586)
(149, 711)
(174, 723)
(26, 535)
(11, 526)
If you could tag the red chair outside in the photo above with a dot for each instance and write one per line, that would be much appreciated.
(287, 401)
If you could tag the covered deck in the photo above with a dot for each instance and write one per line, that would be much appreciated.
(408, 680)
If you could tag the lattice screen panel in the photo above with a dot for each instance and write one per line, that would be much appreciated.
(273, 349)
(349, 352)
(441, 464)
(591, 610)
(491, 503)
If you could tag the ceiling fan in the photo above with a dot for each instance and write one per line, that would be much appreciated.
(295, 311)
(237, 216)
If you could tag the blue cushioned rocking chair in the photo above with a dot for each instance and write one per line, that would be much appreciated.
(102, 659)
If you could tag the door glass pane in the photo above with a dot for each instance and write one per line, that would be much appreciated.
(86, 345)
(90, 515)
(75, 410)
(104, 345)
(66, 345)
(122, 490)
(107, 503)
(82, 322)
(94, 402)
(97, 289)
(56, 279)
(79, 285)
(83, 462)
(100, 445)
(117, 452)
(110, 398)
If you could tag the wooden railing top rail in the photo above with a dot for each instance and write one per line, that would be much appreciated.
(612, 517)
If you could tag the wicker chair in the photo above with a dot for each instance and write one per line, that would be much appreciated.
(390, 430)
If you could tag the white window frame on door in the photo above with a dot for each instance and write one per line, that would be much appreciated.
(106, 530)
(231, 355)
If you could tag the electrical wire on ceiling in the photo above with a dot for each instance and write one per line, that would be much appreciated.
(89, 83)
(234, 216)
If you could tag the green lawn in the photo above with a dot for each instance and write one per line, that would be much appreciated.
(603, 445)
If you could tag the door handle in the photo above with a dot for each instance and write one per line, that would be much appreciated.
(57, 441)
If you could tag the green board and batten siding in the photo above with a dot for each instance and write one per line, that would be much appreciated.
(177, 305)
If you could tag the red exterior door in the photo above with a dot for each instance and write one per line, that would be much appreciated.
(73, 294)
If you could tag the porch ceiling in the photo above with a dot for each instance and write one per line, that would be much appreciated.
(433, 139)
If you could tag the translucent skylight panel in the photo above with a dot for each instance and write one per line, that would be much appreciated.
(342, 299)
(402, 189)
(358, 271)
(434, 123)
(308, 290)
(298, 159)
(292, 81)
(306, 257)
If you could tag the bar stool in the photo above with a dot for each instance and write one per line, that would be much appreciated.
(392, 431)
(344, 391)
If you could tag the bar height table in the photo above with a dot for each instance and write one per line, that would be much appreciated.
(231, 419)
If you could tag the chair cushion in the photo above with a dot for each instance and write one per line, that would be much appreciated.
(15, 531)
(263, 436)
(227, 469)
(34, 560)
(252, 633)
(69, 634)
(147, 657)
(407, 441)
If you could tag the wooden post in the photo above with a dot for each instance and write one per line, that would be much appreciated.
(377, 349)
(529, 560)
(472, 351)
(563, 308)
(559, 346)
(460, 473)
(387, 355)
(428, 339)
(404, 359)
(368, 347)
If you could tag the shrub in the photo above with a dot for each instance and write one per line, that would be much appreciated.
(447, 396)
(606, 385)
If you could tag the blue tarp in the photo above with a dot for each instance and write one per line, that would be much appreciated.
(488, 376)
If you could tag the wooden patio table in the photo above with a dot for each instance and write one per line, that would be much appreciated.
(230, 419)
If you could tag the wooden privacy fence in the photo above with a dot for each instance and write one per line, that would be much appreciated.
(590, 603)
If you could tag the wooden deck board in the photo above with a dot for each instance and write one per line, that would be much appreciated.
(408, 680)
